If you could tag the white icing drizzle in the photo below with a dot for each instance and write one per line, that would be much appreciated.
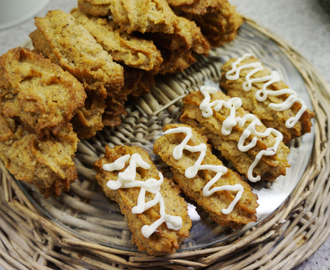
(193, 170)
(127, 179)
(262, 94)
(233, 104)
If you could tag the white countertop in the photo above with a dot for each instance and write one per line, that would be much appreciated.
(304, 24)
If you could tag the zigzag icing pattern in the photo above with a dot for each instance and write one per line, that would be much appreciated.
(193, 170)
(233, 104)
(127, 179)
(262, 94)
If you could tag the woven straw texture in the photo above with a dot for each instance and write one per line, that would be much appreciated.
(31, 240)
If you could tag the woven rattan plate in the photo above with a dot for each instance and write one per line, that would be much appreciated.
(83, 230)
(88, 215)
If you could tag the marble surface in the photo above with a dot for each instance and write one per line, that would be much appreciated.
(304, 24)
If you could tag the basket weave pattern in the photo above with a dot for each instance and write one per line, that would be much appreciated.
(29, 240)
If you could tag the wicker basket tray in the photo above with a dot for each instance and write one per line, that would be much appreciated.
(30, 239)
